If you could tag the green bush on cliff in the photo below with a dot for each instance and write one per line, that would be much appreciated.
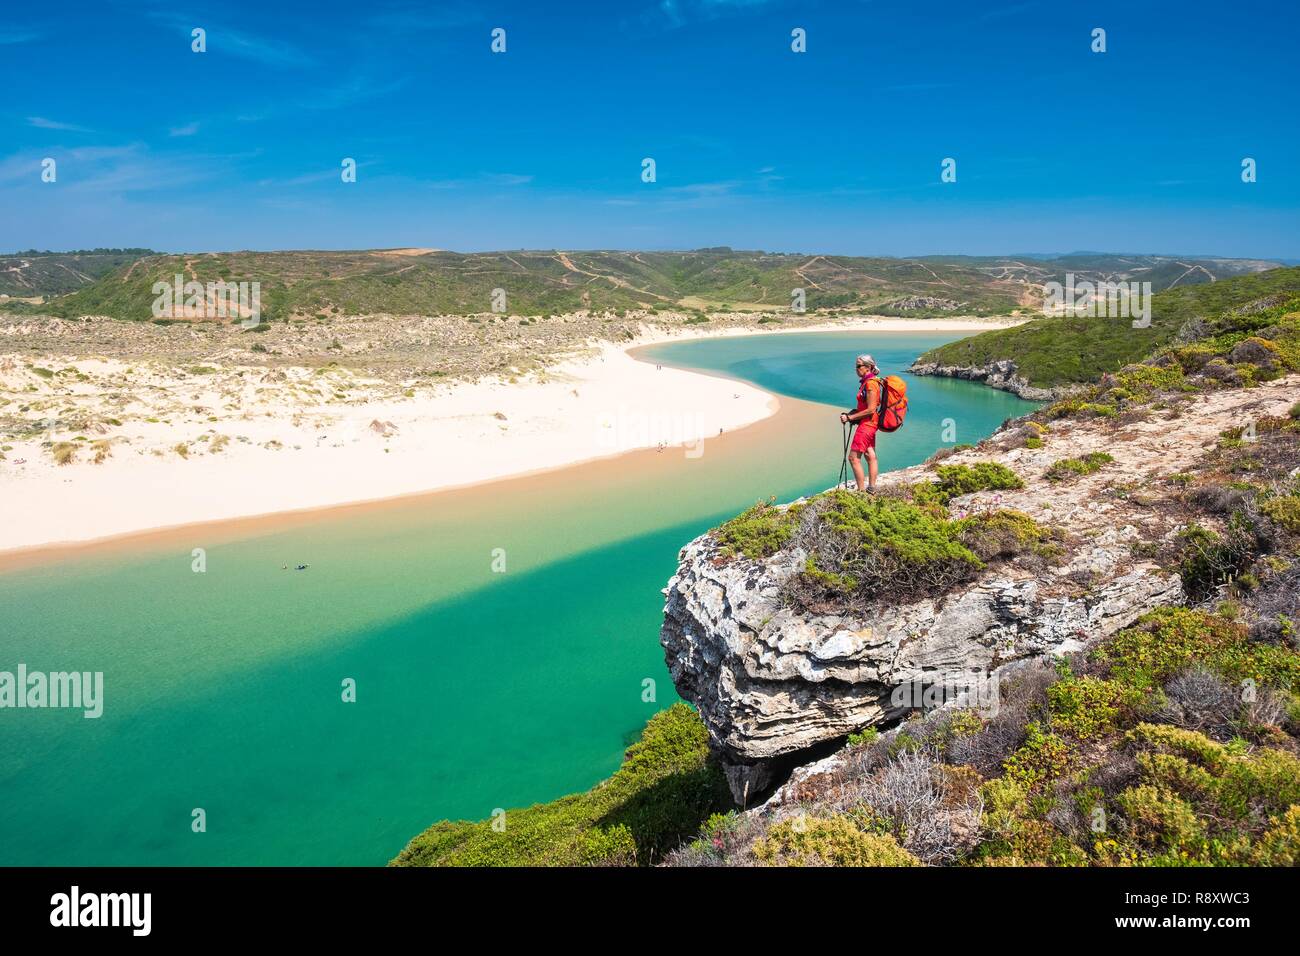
(757, 532)
(1171, 639)
(1005, 533)
(1283, 510)
(874, 547)
(666, 787)
(829, 841)
(1074, 467)
(956, 480)
(1199, 802)
(1141, 380)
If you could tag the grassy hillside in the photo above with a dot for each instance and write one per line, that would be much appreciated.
(431, 282)
(1163, 272)
(32, 274)
(1064, 351)
(300, 284)
(666, 788)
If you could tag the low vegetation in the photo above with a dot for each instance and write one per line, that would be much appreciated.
(1174, 743)
(1050, 352)
(539, 283)
(1074, 467)
(869, 549)
(956, 480)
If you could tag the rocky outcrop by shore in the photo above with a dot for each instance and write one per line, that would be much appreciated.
(1001, 374)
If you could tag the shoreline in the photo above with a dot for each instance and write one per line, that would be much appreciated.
(603, 404)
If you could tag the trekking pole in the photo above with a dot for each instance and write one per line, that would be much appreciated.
(844, 458)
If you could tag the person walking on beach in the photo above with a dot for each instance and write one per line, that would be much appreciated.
(866, 416)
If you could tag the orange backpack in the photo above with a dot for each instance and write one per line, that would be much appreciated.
(893, 403)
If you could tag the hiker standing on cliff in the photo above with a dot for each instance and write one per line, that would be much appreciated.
(866, 415)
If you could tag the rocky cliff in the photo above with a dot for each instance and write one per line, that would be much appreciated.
(778, 682)
(1001, 374)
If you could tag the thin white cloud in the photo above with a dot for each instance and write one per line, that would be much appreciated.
(320, 176)
(353, 91)
(492, 179)
(114, 169)
(40, 122)
(414, 16)
(189, 129)
(11, 37)
(679, 13)
(247, 46)
(508, 179)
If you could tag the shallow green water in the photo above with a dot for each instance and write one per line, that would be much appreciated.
(475, 689)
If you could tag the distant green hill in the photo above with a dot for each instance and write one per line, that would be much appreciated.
(540, 282)
(1051, 352)
(30, 274)
(119, 282)
(426, 282)
(1163, 272)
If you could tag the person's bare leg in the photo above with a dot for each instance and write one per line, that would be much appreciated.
(855, 461)
(872, 468)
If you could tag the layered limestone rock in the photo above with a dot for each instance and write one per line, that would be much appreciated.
(775, 683)
(1001, 374)
(772, 682)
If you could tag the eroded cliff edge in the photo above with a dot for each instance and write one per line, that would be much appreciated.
(779, 678)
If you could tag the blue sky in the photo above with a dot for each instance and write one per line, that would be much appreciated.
(836, 150)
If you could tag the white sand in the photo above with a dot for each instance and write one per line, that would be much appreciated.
(324, 451)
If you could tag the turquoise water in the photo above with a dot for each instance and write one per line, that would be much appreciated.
(475, 689)
(819, 367)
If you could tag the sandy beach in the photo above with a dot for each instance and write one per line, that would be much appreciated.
(160, 447)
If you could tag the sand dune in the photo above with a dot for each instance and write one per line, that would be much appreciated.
(159, 446)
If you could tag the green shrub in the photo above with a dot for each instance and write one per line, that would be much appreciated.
(1097, 410)
(1042, 758)
(757, 532)
(1003, 534)
(1085, 707)
(1073, 467)
(1143, 379)
(1283, 510)
(1209, 559)
(956, 480)
(1163, 819)
(1171, 639)
(1280, 844)
(875, 547)
(1229, 782)
(868, 736)
(829, 841)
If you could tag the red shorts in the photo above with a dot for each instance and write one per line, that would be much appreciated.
(864, 437)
